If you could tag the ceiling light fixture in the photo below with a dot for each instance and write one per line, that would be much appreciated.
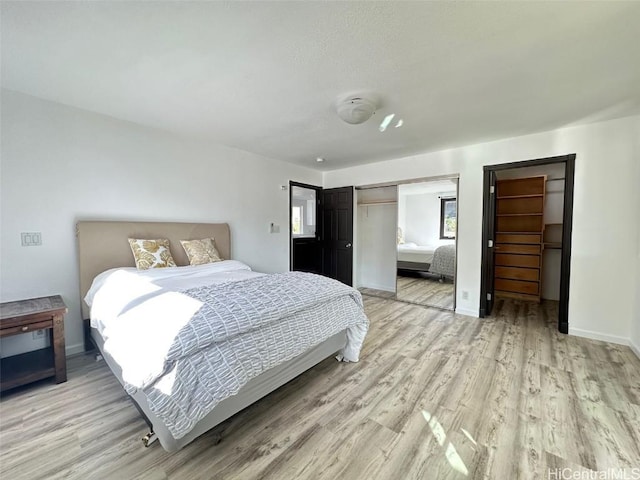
(356, 109)
(319, 159)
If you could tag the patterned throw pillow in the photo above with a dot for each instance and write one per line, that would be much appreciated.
(151, 253)
(201, 251)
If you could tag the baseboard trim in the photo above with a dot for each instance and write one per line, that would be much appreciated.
(467, 312)
(634, 348)
(579, 332)
(379, 287)
(74, 349)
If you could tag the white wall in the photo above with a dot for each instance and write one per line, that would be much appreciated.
(61, 164)
(375, 239)
(635, 321)
(422, 218)
(604, 240)
(376, 260)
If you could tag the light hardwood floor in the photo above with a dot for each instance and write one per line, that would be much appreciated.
(425, 291)
(435, 396)
(421, 291)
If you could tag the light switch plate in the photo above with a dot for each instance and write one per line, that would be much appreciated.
(31, 239)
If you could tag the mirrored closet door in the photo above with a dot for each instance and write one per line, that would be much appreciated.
(426, 243)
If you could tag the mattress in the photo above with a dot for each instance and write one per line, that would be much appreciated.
(410, 252)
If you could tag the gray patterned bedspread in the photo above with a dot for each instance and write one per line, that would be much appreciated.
(444, 261)
(242, 329)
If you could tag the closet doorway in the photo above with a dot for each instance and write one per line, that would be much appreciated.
(527, 222)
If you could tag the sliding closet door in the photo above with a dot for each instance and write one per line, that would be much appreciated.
(426, 242)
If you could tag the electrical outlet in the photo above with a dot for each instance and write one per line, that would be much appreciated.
(37, 334)
(465, 295)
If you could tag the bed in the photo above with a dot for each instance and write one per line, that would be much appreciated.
(444, 261)
(415, 257)
(165, 334)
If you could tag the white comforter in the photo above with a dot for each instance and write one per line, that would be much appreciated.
(187, 345)
(121, 285)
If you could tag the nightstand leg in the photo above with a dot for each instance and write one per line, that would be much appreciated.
(57, 341)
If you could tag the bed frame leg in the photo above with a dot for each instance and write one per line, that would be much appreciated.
(149, 438)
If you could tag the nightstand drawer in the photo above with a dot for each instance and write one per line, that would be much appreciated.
(31, 327)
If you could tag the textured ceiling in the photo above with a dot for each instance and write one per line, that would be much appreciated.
(264, 76)
(433, 186)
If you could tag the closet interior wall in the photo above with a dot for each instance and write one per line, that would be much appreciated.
(375, 245)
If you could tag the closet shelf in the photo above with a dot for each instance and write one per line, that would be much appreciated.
(382, 202)
(520, 220)
(552, 245)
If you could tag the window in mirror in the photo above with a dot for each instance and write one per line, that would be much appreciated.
(448, 218)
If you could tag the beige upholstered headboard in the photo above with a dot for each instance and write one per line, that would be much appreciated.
(104, 245)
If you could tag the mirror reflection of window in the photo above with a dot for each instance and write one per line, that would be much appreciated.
(296, 223)
(448, 218)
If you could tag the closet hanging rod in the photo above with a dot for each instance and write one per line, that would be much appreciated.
(384, 202)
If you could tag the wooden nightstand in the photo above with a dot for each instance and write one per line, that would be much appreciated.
(27, 316)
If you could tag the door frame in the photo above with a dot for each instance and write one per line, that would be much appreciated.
(488, 217)
(318, 214)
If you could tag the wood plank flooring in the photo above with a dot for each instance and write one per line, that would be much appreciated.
(435, 396)
(425, 291)
(428, 291)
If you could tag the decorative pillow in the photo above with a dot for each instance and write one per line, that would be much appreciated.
(201, 251)
(151, 253)
(400, 237)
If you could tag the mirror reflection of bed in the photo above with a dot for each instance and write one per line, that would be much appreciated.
(426, 244)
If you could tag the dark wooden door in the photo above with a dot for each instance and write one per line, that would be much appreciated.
(337, 205)
(488, 250)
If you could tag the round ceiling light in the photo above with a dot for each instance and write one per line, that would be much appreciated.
(356, 109)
